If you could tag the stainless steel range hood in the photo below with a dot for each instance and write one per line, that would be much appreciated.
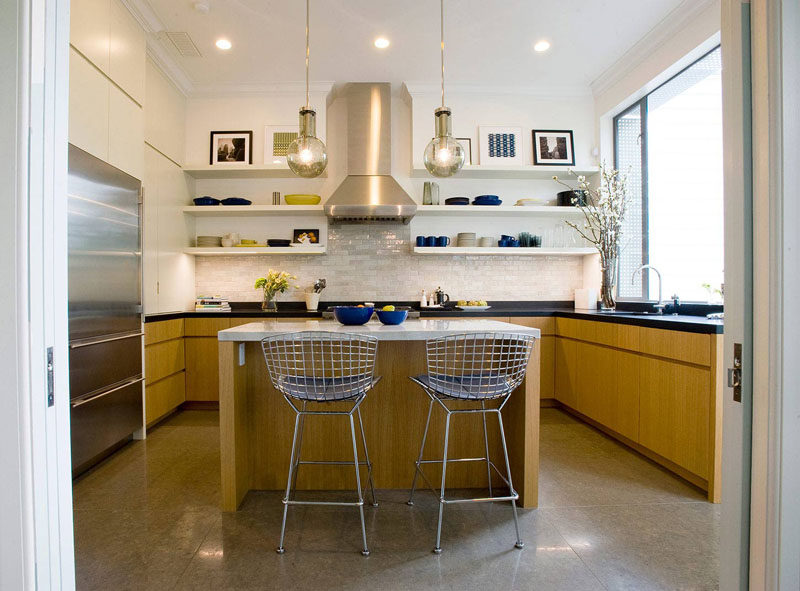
(369, 193)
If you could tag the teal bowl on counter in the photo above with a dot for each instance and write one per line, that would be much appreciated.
(353, 315)
(392, 317)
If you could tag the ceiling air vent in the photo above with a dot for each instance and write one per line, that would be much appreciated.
(183, 43)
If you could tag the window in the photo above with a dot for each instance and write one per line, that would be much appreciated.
(670, 144)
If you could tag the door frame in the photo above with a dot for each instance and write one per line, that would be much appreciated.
(36, 546)
(775, 535)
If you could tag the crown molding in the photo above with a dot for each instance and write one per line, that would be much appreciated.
(145, 15)
(678, 19)
(296, 88)
(168, 66)
(536, 91)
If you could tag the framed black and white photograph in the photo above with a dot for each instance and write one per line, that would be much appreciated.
(231, 147)
(277, 139)
(306, 236)
(500, 144)
(553, 147)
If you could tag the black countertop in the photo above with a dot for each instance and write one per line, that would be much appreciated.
(691, 318)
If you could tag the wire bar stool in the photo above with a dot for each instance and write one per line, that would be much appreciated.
(318, 368)
(475, 368)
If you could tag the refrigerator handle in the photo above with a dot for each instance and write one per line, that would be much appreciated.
(78, 403)
(129, 335)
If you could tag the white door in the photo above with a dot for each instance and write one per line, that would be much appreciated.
(737, 413)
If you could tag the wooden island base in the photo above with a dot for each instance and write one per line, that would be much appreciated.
(256, 427)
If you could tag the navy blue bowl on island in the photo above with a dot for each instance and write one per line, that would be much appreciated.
(353, 315)
(206, 200)
(392, 317)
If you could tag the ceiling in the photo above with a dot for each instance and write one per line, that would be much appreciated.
(487, 43)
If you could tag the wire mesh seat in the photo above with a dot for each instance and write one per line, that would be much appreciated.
(472, 368)
(318, 368)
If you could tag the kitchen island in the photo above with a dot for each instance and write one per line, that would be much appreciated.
(256, 423)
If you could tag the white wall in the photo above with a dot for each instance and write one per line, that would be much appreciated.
(365, 260)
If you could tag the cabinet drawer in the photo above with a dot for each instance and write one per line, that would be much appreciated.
(672, 344)
(545, 324)
(155, 332)
(164, 396)
(568, 327)
(205, 327)
(163, 359)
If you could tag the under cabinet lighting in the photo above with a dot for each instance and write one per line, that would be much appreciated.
(541, 46)
(381, 43)
(223, 44)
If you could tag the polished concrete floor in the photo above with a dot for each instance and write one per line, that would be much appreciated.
(148, 518)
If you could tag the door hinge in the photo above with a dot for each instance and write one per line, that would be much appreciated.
(735, 373)
(50, 378)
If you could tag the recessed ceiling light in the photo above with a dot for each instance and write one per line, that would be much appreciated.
(223, 44)
(381, 43)
(541, 46)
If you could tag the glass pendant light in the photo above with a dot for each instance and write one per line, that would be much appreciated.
(307, 155)
(443, 156)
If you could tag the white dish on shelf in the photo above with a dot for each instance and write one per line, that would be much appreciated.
(473, 308)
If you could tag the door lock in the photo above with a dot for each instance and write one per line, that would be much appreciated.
(735, 373)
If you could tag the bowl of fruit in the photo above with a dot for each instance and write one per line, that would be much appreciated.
(392, 315)
(473, 305)
(353, 315)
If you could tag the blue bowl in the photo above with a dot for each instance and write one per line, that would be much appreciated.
(352, 315)
(206, 200)
(392, 317)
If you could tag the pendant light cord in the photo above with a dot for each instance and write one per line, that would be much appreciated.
(441, 21)
(308, 53)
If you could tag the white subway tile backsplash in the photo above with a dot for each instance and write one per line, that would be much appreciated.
(375, 262)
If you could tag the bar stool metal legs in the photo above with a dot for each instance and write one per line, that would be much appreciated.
(312, 369)
(472, 368)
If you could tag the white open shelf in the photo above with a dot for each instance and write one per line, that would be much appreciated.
(497, 210)
(249, 251)
(253, 210)
(504, 251)
(242, 171)
(528, 171)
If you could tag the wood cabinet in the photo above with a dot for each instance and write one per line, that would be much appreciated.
(656, 390)
(546, 351)
(164, 368)
(168, 273)
(88, 106)
(106, 33)
(566, 372)
(202, 358)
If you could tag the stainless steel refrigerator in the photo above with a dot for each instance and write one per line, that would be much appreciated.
(105, 307)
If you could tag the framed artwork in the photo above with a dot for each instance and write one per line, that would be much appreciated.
(553, 147)
(307, 236)
(276, 142)
(231, 147)
(500, 144)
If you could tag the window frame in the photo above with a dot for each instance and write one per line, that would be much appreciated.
(642, 104)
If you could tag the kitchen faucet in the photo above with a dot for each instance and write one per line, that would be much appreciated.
(659, 306)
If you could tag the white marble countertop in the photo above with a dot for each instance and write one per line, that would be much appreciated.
(411, 330)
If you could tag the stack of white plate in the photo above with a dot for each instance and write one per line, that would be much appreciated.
(487, 241)
(466, 239)
(209, 241)
(531, 201)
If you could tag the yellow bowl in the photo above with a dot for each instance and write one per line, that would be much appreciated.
(302, 199)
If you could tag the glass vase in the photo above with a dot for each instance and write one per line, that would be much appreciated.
(269, 304)
(609, 284)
